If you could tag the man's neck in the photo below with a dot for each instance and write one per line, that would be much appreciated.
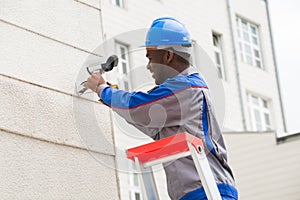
(180, 67)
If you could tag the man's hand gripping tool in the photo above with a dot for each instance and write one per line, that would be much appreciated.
(111, 62)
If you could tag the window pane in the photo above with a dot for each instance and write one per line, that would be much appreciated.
(257, 119)
(258, 127)
(267, 119)
(136, 180)
(244, 25)
(217, 56)
(241, 51)
(123, 53)
(258, 63)
(254, 40)
(137, 196)
(256, 53)
(215, 40)
(247, 48)
(241, 46)
(254, 100)
(124, 67)
(220, 73)
(265, 103)
(246, 36)
(253, 30)
(249, 59)
(237, 22)
(126, 86)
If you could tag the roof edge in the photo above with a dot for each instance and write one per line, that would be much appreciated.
(288, 138)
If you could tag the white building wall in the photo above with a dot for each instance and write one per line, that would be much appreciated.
(218, 21)
(262, 168)
(254, 80)
(46, 151)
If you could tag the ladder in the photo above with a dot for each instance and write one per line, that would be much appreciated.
(168, 149)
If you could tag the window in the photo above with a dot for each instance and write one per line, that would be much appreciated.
(259, 113)
(123, 67)
(218, 55)
(119, 3)
(249, 43)
(134, 185)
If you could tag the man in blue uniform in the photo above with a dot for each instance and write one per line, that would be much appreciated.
(179, 103)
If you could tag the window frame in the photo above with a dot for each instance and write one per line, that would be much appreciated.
(218, 49)
(115, 3)
(123, 75)
(259, 109)
(250, 52)
(132, 176)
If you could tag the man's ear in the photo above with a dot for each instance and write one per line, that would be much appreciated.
(169, 56)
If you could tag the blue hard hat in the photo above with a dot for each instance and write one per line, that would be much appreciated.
(167, 31)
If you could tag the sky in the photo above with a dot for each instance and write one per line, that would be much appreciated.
(285, 22)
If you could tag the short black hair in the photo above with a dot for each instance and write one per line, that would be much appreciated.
(184, 58)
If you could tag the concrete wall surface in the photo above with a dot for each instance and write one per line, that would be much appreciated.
(37, 169)
(53, 144)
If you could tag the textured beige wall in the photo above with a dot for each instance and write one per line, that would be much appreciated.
(54, 145)
(263, 169)
(37, 169)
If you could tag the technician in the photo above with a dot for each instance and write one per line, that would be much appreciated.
(179, 103)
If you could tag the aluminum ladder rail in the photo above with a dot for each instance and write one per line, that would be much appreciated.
(169, 149)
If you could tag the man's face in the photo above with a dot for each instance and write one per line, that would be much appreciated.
(157, 66)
